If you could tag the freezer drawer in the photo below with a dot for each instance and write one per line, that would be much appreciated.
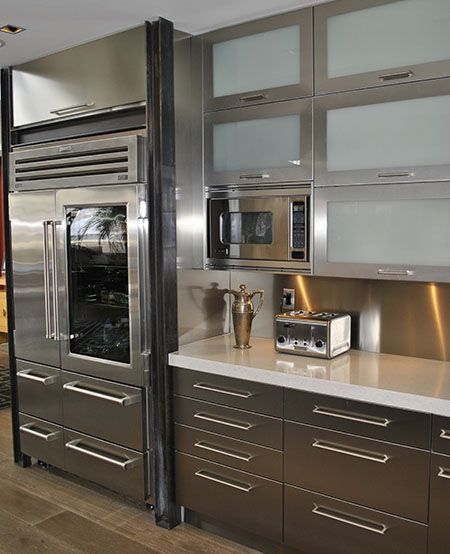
(114, 467)
(441, 435)
(235, 393)
(237, 454)
(317, 524)
(237, 424)
(376, 474)
(42, 440)
(39, 389)
(233, 497)
(359, 418)
(104, 409)
(439, 535)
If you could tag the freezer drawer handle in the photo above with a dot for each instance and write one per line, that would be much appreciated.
(220, 390)
(254, 176)
(393, 76)
(388, 175)
(77, 386)
(226, 422)
(352, 416)
(217, 450)
(356, 453)
(445, 434)
(404, 272)
(75, 108)
(253, 97)
(125, 465)
(27, 374)
(228, 483)
(444, 473)
(379, 528)
(48, 436)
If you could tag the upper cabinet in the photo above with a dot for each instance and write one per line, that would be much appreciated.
(379, 42)
(262, 61)
(105, 73)
(394, 134)
(259, 144)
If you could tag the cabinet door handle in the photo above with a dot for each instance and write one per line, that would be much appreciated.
(75, 108)
(228, 483)
(393, 76)
(445, 434)
(253, 97)
(349, 451)
(254, 176)
(77, 386)
(217, 450)
(379, 528)
(405, 272)
(125, 465)
(444, 473)
(48, 436)
(388, 175)
(226, 422)
(220, 390)
(352, 416)
(29, 375)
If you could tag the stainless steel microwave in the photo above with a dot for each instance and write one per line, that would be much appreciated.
(259, 227)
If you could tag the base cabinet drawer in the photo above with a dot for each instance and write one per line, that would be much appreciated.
(318, 524)
(103, 409)
(236, 498)
(237, 454)
(114, 467)
(246, 426)
(441, 435)
(39, 389)
(439, 533)
(42, 440)
(376, 474)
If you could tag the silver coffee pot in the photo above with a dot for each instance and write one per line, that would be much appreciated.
(243, 314)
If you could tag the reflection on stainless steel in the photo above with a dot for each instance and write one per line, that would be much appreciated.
(403, 318)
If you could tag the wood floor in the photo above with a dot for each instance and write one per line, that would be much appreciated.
(42, 511)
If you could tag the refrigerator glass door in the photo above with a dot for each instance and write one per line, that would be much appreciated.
(35, 281)
(100, 249)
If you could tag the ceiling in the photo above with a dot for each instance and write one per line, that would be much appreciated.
(52, 25)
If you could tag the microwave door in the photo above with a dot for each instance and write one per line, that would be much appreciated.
(99, 247)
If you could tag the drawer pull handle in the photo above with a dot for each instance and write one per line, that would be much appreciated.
(228, 483)
(445, 434)
(393, 76)
(252, 97)
(378, 528)
(217, 450)
(444, 473)
(125, 465)
(226, 422)
(228, 392)
(77, 386)
(352, 416)
(356, 453)
(48, 436)
(254, 176)
(29, 375)
(388, 175)
(405, 272)
(74, 108)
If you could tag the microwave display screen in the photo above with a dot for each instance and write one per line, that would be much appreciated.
(246, 227)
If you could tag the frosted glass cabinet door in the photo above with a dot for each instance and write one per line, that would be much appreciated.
(380, 42)
(395, 134)
(259, 144)
(262, 61)
(378, 232)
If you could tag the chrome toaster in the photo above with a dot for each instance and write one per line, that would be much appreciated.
(319, 334)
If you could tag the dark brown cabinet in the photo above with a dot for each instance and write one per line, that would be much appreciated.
(439, 533)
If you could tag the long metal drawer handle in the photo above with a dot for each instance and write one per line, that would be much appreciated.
(226, 422)
(47, 436)
(387, 175)
(348, 451)
(352, 416)
(444, 473)
(254, 176)
(75, 107)
(251, 97)
(393, 76)
(74, 386)
(445, 434)
(406, 272)
(223, 481)
(126, 465)
(379, 528)
(217, 450)
(27, 374)
(228, 392)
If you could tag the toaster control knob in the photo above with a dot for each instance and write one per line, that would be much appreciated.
(281, 339)
(319, 344)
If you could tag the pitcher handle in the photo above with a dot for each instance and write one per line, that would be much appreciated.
(261, 301)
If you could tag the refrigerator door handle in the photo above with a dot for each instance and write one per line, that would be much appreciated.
(55, 282)
(49, 334)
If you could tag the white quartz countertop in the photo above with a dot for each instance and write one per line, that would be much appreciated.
(399, 381)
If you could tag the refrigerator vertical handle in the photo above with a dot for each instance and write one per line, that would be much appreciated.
(55, 283)
(47, 293)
